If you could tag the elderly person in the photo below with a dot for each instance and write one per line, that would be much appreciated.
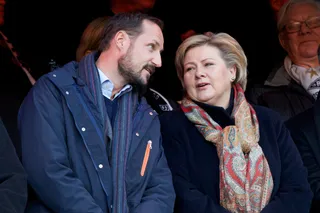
(226, 155)
(305, 131)
(294, 87)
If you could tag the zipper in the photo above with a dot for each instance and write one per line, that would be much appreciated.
(146, 158)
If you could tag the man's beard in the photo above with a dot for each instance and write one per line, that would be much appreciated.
(125, 66)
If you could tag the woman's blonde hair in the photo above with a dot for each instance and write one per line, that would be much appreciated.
(91, 37)
(230, 51)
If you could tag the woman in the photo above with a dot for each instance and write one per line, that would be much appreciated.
(226, 155)
(91, 37)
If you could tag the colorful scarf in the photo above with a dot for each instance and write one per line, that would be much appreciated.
(246, 182)
(119, 135)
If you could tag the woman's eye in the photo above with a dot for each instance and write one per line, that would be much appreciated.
(208, 64)
(189, 68)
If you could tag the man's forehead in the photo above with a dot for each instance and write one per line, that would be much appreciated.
(152, 32)
(302, 9)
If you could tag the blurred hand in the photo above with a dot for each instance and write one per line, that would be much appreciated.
(119, 6)
(187, 34)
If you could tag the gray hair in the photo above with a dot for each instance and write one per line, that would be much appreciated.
(282, 14)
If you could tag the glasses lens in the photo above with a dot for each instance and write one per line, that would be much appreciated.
(313, 22)
(293, 27)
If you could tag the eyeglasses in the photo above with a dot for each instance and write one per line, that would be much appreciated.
(311, 23)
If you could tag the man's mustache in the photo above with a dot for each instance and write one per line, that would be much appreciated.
(149, 67)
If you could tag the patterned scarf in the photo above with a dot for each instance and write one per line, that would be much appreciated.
(246, 182)
(309, 78)
(119, 135)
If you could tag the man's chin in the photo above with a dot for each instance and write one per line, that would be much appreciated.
(141, 88)
(144, 79)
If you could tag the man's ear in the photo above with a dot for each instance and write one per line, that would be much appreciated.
(87, 52)
(122, 40)
(282, 40)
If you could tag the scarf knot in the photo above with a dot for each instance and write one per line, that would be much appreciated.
(246, 182)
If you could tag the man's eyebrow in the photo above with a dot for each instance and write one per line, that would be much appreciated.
(157, 43)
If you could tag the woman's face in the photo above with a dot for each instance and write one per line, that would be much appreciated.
(206, 78)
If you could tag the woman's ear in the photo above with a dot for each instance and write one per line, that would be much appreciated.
(233, 73)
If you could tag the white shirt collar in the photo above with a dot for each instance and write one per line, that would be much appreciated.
(107, 86)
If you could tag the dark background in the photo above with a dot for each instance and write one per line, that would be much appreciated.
(45, 30)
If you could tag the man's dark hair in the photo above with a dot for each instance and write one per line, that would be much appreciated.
(131, 23)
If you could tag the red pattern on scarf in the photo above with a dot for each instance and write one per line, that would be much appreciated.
(246, 182)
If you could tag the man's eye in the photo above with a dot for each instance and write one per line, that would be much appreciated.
(151, 46)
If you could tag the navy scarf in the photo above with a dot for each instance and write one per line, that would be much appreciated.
(119, 135)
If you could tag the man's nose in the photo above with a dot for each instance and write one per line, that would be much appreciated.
(304, 28)
(157, 60)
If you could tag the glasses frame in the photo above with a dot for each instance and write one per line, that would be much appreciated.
(306, 22)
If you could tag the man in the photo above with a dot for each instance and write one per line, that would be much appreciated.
(90, 41)
(305, 131)
(293, 87)
(13, 179)
(90, 142)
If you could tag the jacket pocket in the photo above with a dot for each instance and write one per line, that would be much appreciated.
(146, 158)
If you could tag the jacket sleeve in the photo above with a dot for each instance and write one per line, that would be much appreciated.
(45, 152)
(159, 195)
(189, 198)
(13, 179)
(294, 194)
